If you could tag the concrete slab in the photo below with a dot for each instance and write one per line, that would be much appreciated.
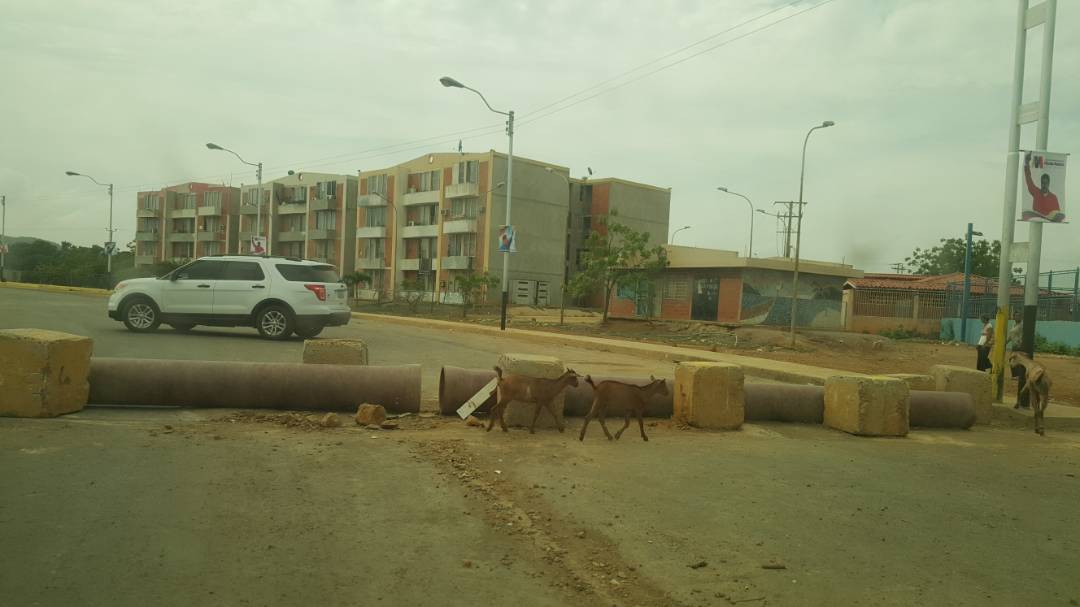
(709, 395)
(43, 373)
(867, 406)
(948, 378)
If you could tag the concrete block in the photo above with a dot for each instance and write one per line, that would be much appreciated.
(544, 367)
(948, 378)
(867, 405)
(43, 373)
(915, 381)
(335, 352)
(709, 395)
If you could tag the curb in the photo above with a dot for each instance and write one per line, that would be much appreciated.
(792, 373)
(56, 289)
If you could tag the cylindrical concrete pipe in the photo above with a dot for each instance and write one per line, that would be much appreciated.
(785, 403)
(457, 385)
(579, 399)
(931, 409)
(191, 383)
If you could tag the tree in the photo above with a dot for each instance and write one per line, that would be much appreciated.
(353, 279)
(948, 257)
(412, 291)
(472, 287)
(617, 257)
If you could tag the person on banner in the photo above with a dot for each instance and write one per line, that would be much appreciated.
(986, 341)
(257, 247)
(1044, 202)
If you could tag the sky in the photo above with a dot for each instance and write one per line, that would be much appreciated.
(129, 92)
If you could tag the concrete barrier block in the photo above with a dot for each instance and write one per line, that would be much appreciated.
(867, 405)
(709, 395)
(915, 381)
(335, 352)
(544, 367)
(43, 373)
(978, 384)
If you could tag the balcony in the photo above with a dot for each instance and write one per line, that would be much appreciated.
(457, 262)
(323, 204)
(430, 231)
(249, 209)
(414, 264)
(371, 232)
(145, 260)
(462, 190)
(210, 209)
(152, 236)
(292, 236)
(210, 235)
(370, 263)
(459, 226)
(184, 213)
(291, 208)
(421, 198)
(323, 234)
(182, 237)
(371, 200)
(144, 212)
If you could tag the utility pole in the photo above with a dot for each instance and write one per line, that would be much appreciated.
(1027, 17)
(967, 283)
(786, 218)
(3, 233)
(897, 267)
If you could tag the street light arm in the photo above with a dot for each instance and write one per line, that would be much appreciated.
(484, 99)
(239, 157)
(74, 174)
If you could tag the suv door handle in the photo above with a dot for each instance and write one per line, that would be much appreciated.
(204, 286)
(258, 287)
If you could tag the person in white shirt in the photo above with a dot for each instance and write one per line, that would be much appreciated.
(986, 341)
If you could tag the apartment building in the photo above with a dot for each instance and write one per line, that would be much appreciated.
(181, 222)
(304, 214)
(429, 220)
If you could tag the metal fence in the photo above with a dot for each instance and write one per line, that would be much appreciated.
(897, 303)
(1059, 296)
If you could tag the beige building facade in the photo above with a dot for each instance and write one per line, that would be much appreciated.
(182, 222)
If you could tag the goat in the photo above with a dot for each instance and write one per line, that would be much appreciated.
(529, 390)
(635, 398)
(1036, 383)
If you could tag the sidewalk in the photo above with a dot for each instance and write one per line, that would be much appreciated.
(55, 288)
(793, 373)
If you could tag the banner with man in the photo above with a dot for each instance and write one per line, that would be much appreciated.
(1044, 180)
(507, 239)
(258, 245)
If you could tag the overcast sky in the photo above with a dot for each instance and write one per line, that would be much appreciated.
(129, 92)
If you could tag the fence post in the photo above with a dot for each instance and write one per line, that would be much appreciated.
(1076, 296)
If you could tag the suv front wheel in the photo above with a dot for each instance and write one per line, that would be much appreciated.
(141, 315)
(274, 322)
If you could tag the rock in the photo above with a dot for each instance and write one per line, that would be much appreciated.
(698, 565)
(372, 427)
(473, 421)
(330, 420)
(389, 425)
(709, 395)
(466, 564)
(368, 414)
(335, 352)
(43, 373)
(581, 534)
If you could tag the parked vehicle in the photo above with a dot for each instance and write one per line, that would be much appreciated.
(278, 296)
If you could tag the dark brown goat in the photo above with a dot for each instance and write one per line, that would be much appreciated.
(529, 390)
(634, 397)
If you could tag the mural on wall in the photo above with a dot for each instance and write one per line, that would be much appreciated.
(766, 299)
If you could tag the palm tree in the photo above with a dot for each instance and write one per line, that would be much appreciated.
(353, 279)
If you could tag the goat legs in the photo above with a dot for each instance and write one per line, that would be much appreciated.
(551, 409)
(536, 416)
(626, 424)
(497, 411)
(588, 417)
(602, 415)
(641, 423)
(1039, 399)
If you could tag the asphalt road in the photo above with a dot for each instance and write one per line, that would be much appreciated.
(388, 344)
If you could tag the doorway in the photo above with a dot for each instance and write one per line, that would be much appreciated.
(706, 298)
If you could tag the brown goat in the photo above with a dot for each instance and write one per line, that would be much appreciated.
(635, 397)
(529, 390)
(1037, 384)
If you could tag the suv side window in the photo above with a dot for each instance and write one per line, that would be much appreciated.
(242, 270)
(200, 270)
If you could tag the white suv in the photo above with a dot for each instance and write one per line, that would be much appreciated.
(276, 295)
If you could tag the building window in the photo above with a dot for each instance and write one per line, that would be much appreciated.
(212, 248)
(183, 226)
(467, 171)
(150, 202)
(427, 248)
(464, 208)
(376, 184)
(326, 189)
(211, 198)
(184, 201)
(373, 248)
(375, 217)
(461, 245)
(298, 193)
(325, 220)
(677, 288)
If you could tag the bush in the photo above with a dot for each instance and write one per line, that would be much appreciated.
(1052, 347)
(898, 333)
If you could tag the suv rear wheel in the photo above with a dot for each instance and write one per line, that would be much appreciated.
(141, 315)
(274, 322)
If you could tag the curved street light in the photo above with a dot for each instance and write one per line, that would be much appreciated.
(798, 230)
(676, 232)
(750, 248)
(258, 189)
(112, 243)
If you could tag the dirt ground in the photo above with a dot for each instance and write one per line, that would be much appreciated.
(188, 507)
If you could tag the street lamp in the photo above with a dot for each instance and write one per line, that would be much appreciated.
(450, 82)
(111, 245)
(676, 232)
(967, 282)
(798, 229)
(258, 190)
(749, 249)
(3, 231)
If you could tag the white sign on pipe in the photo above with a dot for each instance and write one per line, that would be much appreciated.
(477, 399)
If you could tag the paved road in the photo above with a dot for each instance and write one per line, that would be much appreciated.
(388, 344)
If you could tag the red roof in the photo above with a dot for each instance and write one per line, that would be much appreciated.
(915, 282)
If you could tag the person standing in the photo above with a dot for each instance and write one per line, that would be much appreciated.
(1016, 336)
(986, 341)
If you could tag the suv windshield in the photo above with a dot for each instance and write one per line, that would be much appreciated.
(299, 273)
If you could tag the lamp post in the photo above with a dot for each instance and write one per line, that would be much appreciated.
(967, 283)
(112, 243)
(798, 229)
(258, 190)
(749, 249)
(3, 232)
(676, 232)
(450, 82)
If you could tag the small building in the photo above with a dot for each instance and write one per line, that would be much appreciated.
(722, 286)
(888, 302)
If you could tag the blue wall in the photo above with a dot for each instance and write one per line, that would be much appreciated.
(1060, 331)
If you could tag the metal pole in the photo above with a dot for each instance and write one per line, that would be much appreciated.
(109, 253)
(258, 211)
(3, 233)
(798, 232)
(566, 254)
(967, 286)
(509, 204)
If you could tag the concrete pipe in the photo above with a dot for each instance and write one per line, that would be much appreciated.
(785, 403)
(941, 409)
(579, 399)
(457, 385)
(191, 383)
